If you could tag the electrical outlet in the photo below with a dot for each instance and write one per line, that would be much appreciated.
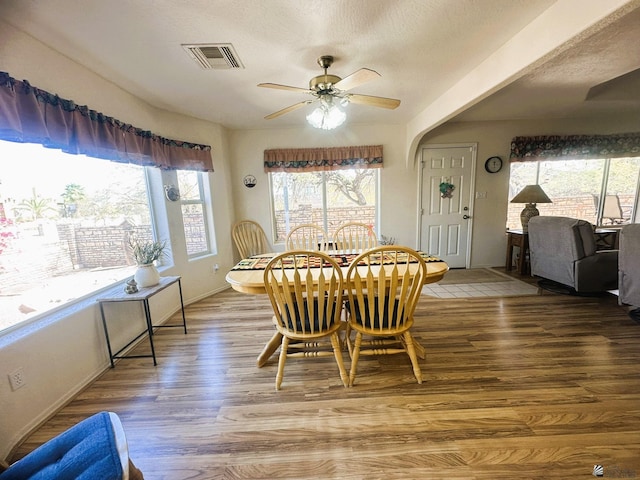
(216, 267)
(16, 379)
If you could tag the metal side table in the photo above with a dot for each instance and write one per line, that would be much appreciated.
(117, 294)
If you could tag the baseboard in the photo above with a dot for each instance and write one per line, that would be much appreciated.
(207, 294)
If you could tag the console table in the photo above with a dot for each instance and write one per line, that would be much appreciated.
(520, 239)
(117, 294)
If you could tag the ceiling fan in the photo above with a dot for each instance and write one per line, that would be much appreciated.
(327, 88)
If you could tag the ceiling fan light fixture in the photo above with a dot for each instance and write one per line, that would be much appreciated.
(326, 117)
(331, 91)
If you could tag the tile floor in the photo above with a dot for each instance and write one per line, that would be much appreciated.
(491, 289)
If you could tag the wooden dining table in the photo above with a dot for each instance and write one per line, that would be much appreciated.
(247, 276)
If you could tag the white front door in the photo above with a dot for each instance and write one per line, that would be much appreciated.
(445, 221)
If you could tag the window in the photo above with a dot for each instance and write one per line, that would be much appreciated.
(328, 199)
(64, 224)
(194, 212)
(601, 191)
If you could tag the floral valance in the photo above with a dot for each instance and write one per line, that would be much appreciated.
(318, 159)
(29, 114)
(575, 147)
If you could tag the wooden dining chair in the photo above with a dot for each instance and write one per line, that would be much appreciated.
(307, 305)
(354, 237)
(384, 285)
(249, 238)
(308, 237)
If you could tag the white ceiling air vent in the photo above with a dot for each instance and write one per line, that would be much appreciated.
(218, 55)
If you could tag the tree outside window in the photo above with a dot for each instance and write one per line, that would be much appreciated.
(328, 199)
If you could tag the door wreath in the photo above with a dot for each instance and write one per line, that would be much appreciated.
(446, 189)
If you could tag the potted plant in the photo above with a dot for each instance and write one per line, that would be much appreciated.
(146, 253)
(384, 240)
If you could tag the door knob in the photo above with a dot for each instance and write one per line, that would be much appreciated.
(466, 217)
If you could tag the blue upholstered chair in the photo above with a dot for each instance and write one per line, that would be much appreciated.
(95, 448)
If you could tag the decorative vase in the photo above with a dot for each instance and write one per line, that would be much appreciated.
(147, 275)
(527, 214)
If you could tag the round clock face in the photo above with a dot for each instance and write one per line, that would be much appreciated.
(493, 164)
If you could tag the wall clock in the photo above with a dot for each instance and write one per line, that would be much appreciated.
(493, 164)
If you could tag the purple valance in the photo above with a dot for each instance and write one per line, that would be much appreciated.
(28, 114)
(575, 147)
(318, 159)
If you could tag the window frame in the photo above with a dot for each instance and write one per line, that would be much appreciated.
(604, 183)
(202, 200)
(152, 178)
(325, 218)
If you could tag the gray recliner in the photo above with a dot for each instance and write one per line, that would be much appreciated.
(563, 250)
(629, 265)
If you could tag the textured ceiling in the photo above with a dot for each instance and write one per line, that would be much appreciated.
(420, 47)
(598, 77)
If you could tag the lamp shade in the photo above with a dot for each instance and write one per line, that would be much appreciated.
(531, 194)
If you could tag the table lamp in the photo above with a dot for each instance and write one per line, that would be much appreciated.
(531, 194)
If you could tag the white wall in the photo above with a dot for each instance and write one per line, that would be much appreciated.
(65, 351)
(398, 183)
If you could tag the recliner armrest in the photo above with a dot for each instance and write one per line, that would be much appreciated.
(598, 272)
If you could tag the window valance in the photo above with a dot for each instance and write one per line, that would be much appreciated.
(318, 159)
(29, 114)
(575, 147)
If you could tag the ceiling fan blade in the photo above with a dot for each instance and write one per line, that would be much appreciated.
(288, 109)
(383, 102)
(277, 86)
(356, 79)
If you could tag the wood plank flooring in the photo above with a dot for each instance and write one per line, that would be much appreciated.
(536, 387)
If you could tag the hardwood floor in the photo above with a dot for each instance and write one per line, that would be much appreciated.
(533, 387)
